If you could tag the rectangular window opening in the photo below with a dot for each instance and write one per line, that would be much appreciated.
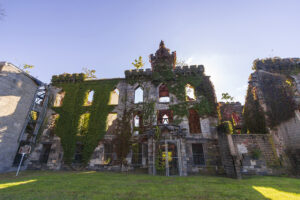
(198, 155)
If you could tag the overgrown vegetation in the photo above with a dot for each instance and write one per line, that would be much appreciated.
(226, 127)
(277, 88)
(123, 134)
(254, 116)
(278, 95)
(176, 82)
(71, 110)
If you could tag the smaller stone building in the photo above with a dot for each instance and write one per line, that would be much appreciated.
(20, 113)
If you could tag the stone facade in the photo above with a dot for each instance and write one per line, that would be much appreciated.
(281, 112)
(177, 143)
(17, 95)
(163, 144)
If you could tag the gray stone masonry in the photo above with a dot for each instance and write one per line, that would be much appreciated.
(17, 92)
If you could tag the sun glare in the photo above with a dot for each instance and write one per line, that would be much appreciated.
(274, 194)
(6, 185)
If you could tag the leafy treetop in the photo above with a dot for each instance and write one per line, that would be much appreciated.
(138, 63)
(227, 97)
(90, 73)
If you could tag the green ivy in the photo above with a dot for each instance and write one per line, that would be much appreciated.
(253, 114)
(73, 107)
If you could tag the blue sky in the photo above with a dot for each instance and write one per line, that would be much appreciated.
(225, 36)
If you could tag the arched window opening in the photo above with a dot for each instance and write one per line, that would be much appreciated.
(137, 124)
(90, 97)
(111, 117)
(59, 99)
(136, 121)
(138, 95)
(164, 94)
(83, 124)
(114, 97)
(194, 121)
(164, 117)
(190, 93)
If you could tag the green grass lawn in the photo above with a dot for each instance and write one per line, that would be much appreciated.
(100, 185)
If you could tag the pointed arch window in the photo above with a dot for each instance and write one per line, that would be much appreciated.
(164, 117)
(136, 121)
(83, 124)
(114, 97)
(90, 97)
(190, 93)
(111, 117)
(138, 95)
(163, 93)
(59, 99)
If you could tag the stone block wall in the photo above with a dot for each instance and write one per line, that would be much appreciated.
(17, 91)
(287, 143)
(256, 153)
(212, 157)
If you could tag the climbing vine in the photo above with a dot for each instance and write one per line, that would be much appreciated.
(254, 116)
(176, 83)
(279, 98)
(73, 107)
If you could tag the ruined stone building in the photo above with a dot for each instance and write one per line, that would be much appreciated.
(272, 106)
(162, 121)
(20, 110)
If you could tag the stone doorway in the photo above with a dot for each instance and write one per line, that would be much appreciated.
(166, 159)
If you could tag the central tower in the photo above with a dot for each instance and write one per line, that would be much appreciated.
(163, 60)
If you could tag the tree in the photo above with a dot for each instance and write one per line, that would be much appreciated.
(27, 67)
(181, 63)
(122, 139)
(227, 97)
(90, 73)
(138, 63)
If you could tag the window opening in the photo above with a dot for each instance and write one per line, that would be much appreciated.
(164, 94)
(137, 154)
(83, 124)
(108, 151)
(138, 95)
(165, 117)
(59, 99)
(111, 117)
(198, 155)
(190, 93)
(194, 121)
(114, 97)
(90, 98)
(45, 153)
(78, 153)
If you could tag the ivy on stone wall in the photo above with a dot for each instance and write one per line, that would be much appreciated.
(254, 116)
(206, 101)
(73, 107)
(278, 96)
